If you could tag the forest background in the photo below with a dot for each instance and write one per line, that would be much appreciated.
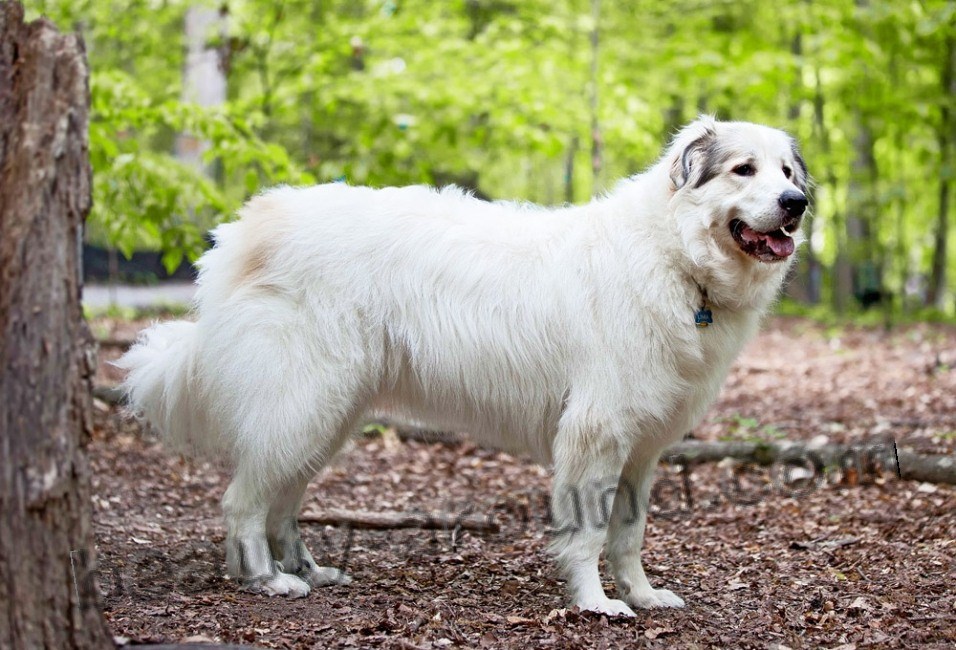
(198, 105)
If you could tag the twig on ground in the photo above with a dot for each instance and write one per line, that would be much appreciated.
(394, 520)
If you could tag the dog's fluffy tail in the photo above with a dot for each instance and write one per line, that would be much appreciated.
(164, 386)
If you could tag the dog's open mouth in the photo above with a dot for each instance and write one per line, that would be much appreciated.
(773, 246)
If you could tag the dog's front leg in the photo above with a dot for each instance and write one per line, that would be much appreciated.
(584, 461)
(626, 535)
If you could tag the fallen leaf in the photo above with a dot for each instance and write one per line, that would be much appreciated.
(555, 613)
(654, 632)
(519, 620)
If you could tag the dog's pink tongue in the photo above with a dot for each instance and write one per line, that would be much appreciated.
(775, 242)
(779, 243)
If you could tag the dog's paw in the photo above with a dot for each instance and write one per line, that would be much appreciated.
(324, 576)
(607, 606)
(281, 584)
(654, 598)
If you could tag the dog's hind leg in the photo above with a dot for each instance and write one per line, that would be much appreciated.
(626, 536)
(290, 552)
(263, 547)
(248, 556)
(287, 395)
(588, 461)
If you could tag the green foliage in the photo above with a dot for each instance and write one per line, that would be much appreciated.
(498, 94)
(117, 312)
(748, 429)
(145, 197)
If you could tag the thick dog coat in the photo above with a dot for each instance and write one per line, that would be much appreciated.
(574, 334)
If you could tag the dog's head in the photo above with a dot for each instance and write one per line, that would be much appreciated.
(739, 187)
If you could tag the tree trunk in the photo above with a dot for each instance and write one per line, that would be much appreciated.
(861, 216)
(936, 295)
(48, 589)
(862, 254)
(569, 170)
(804, 285)
(204, 82)
(597, 140)
(839, 273)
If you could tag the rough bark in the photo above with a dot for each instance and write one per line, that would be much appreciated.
(49, 597)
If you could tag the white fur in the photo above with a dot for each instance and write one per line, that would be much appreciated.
(567, 334)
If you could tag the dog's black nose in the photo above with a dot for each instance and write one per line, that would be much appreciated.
(793, 202)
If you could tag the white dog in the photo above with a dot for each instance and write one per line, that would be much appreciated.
(576, 334)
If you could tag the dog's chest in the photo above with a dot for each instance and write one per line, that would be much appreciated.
(718, 345)
(706, 361)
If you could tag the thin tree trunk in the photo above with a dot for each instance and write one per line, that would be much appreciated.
(936, 295)
(840, 284)
(204, 81)
(901, 253)
(597, 140)
(862, 246)
(47, 583)
(805, 284)
(569, 170)
(861, 215)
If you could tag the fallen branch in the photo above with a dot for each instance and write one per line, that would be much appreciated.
(863, 459)
(407, 432)
(195, 646)
(123, 344)
(394, 520)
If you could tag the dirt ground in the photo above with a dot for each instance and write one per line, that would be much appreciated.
(849, 561)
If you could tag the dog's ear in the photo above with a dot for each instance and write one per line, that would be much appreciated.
(692, 165)
(801, 178)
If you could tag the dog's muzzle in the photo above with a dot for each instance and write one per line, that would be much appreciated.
(794, 204)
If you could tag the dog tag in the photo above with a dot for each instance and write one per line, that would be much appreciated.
(703, 317)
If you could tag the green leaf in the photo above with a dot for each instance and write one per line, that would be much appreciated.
(172, 258)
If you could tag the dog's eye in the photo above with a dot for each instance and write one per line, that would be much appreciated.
(787, 171)
(745, 170)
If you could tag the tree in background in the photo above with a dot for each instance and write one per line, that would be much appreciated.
(946, 141)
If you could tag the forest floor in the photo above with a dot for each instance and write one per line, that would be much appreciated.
(852, 561)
